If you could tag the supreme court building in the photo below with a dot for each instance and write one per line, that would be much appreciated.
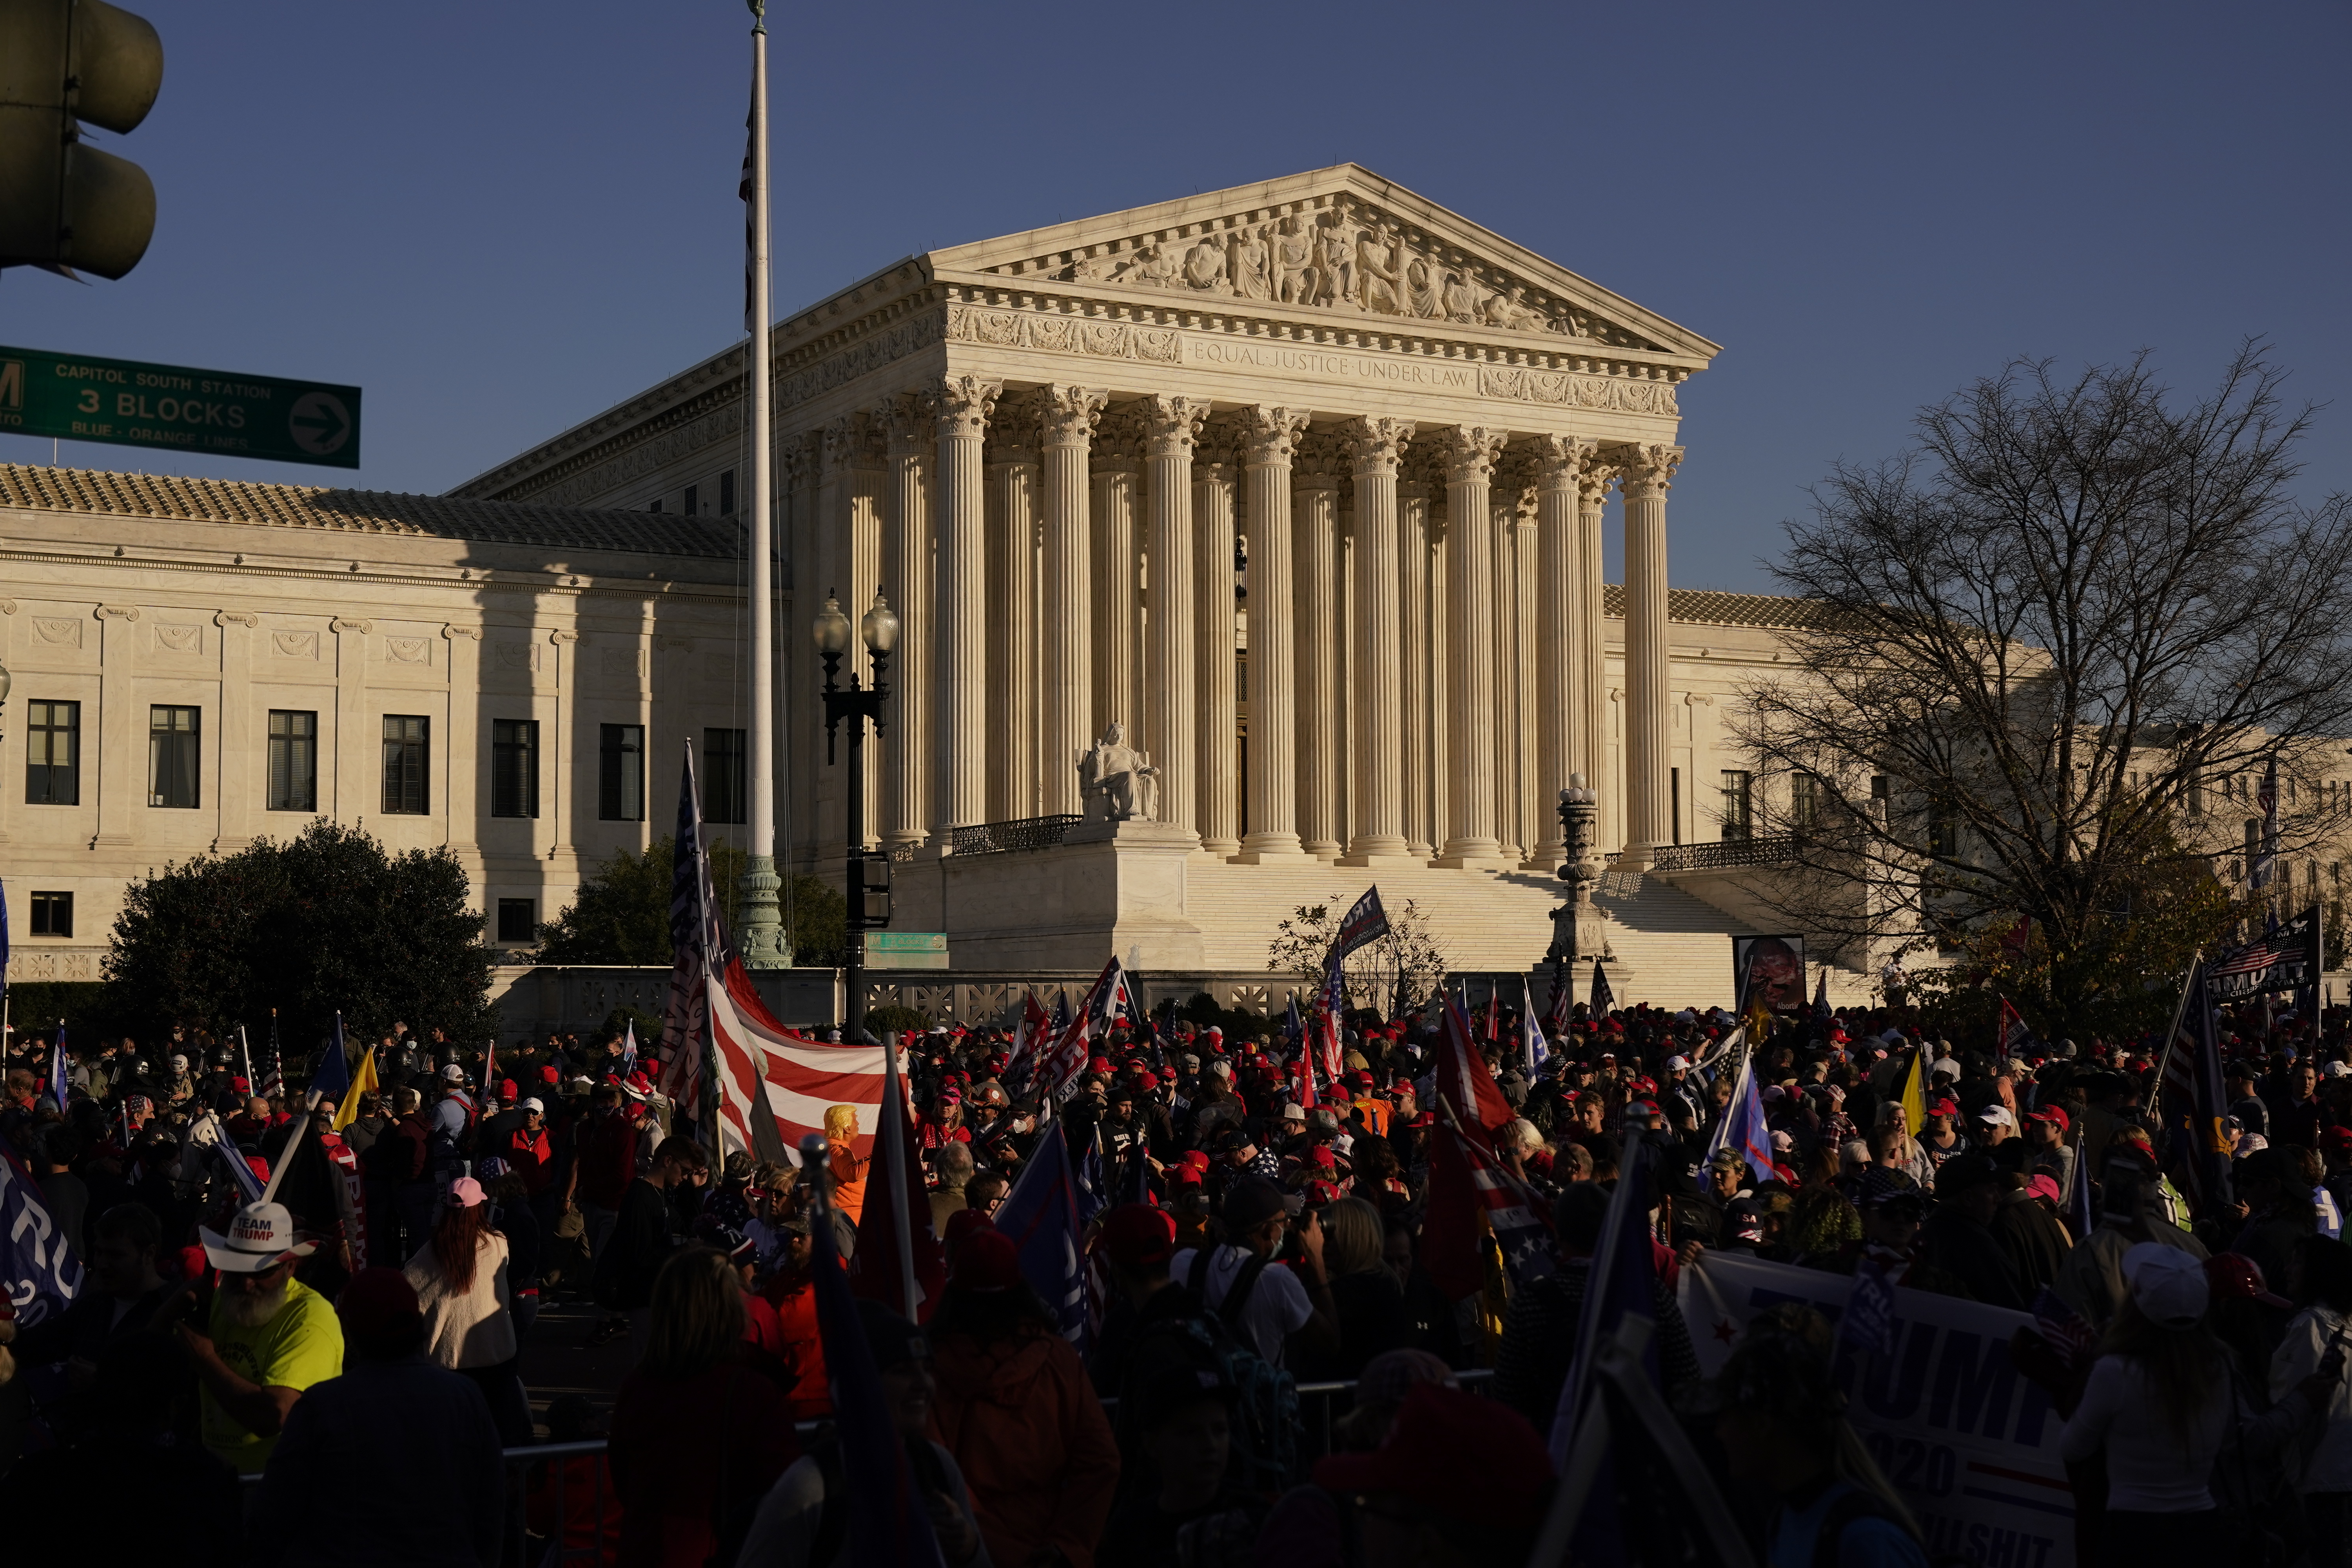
(1304, 484)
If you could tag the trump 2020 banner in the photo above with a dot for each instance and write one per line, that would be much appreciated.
(37, 1270)
(1970, 1444)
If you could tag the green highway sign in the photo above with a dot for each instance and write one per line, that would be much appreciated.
(81, 399)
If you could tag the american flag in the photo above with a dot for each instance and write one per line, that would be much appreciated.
(1066, 1059)
(1334, 1008)
(2285, 958)
(695, 940)
(1033, 1027)
(1513, 1210)
(1602, 1001)
(273, 1064)
(2064, 1327)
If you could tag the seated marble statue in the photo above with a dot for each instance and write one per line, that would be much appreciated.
(1115, 780)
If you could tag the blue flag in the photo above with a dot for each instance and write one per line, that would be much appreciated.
(1040, 1214)
(1094, 1181)
(888, 1521)
(1294, 1030)
(38, 1271)
(1744, 1130)
(333, 1078)
(58, 1082)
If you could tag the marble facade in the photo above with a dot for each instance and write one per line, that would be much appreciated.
(1303, 483)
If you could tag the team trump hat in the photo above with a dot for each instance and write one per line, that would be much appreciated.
(261, 1237)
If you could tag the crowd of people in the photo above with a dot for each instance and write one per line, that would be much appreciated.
(300, 1327)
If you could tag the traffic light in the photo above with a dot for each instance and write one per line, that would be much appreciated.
(64, 204)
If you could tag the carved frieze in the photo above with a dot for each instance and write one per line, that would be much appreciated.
(56, 631)
(1339, 254)
(172, 636)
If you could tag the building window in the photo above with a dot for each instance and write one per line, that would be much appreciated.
(723, 778)
(1738, 804)
(1807, 799)
(172, 757)
(727, 493)
(518, 920)
(53, 753)
(656, 506)
(1675, 801)
(1944, 832)
(293, 760)
(53, 914)
(406, 739)
(621, 772)
(514, 767)
(693, 507)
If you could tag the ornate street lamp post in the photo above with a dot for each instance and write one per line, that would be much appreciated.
(1575, 924)
(868, 876)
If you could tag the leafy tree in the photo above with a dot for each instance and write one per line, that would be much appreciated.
(622, 913)
(2044, 649)
(1399, 970)
(328, 921)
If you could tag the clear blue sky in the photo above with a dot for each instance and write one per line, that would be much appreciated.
(498, 218)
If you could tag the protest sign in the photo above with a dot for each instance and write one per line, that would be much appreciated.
(1970, 1444)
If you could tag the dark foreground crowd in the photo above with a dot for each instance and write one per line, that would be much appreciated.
(328, 1373)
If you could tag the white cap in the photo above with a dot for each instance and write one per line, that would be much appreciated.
(453, 1073)
(2167, 1284)
(260, 1236)
(1292, 1113)
(530, 1103)
(2336, 1070)
(1783, 1143)
(1674, 1062)
(1997, 1116)
(1945, 1068)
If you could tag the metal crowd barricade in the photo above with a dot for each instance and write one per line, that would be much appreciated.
(1320, 1407)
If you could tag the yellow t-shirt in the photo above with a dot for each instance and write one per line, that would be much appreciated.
(302, 1345)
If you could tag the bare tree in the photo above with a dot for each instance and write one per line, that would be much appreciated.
(2051, 650)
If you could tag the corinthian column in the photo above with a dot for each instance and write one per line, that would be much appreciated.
(1271, 436)
(1067, 620)
(1414, 711)
(1594, 474)
(1214, 644)
(1315, 521)
(961, 653)
(907, 574)
(1170, 723)
(1559, 640)
(1648, 471)
(1115, 524)
(1470, 709)
(1503, 504)
(1013, 713)
(1378, 828)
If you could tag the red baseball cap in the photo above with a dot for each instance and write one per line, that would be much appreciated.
(986, 1262)
(1943, 1108)
(2233, 1276)
(2049, 1113)
(1134, 1235)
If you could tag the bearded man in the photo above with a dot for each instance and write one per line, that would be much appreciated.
(268, 1337)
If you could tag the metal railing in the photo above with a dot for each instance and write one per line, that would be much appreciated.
(1768, 849)
(997, 837)
(548, 1536)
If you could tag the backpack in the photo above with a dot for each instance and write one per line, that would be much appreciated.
(1266, 1397)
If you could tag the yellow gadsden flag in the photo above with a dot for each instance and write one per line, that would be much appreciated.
(363, 1082)
(1915, 1094)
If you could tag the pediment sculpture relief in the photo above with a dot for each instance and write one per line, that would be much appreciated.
(1345, 258)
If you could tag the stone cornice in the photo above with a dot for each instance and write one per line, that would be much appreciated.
(535, 586)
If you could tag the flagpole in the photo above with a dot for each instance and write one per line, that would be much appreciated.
(761, 940)
(244, 1051)
(895, 1166)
